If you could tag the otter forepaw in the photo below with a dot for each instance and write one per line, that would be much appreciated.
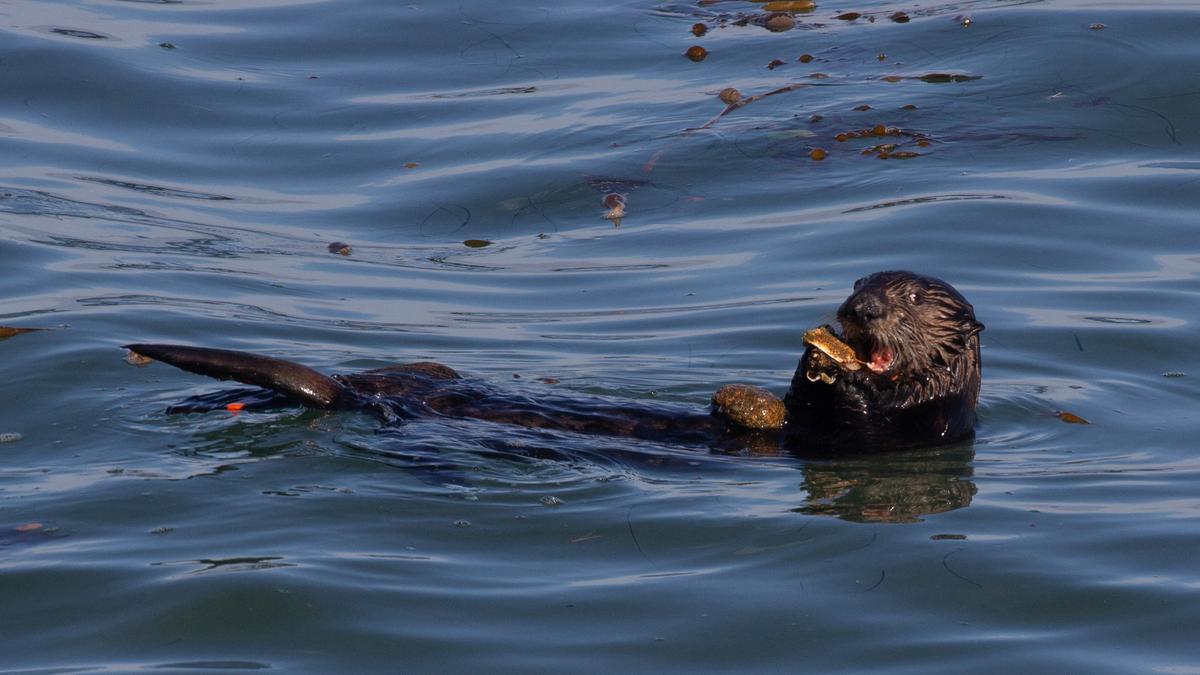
(822, 368)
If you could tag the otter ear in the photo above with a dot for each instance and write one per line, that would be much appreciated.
(974, 328)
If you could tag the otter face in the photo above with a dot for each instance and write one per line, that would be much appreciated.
(905, 324)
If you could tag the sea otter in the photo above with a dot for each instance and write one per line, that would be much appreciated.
(919, 342)
(915, 383)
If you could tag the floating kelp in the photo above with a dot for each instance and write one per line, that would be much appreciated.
(1070, 418)
(887, 150)
(790, 6)
(27, 534)
(809, 142)
(784, 140)
(9, 331)
(744, 101)
(779, 22)
(730, 95)
(939, 78)
(747, 100)
(932, 78)
(615, 203)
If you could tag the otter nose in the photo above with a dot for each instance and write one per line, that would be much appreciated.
(868, 307)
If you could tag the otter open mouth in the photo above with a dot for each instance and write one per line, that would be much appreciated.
(881, 359)
(868, 351)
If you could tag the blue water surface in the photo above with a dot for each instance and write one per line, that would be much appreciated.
(175, 171)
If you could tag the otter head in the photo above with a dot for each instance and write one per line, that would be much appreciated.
(910, 326)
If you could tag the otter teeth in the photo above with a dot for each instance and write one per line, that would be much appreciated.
(881, 360)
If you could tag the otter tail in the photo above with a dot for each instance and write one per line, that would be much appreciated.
(291, 379)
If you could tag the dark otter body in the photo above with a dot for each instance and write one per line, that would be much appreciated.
(917, 336)
(919, 341)
(424, 389)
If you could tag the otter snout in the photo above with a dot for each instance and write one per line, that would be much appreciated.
(862, 307)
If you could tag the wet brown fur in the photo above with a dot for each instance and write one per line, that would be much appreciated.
(927, 396)
(929, 326)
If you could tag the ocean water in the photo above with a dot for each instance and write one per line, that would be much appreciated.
(176, 171)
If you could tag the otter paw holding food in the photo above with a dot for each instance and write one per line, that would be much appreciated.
(830, 357)
(832, 347)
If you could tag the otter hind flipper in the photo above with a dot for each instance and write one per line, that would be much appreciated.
(292, 379)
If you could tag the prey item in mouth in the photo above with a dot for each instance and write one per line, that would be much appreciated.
(823, 339)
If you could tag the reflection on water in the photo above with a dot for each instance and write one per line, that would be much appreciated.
(899, 488)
